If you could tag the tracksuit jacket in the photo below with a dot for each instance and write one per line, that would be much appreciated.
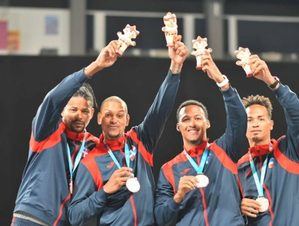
(219, 203)
(123, 207)
(281, 184)
(44, 190)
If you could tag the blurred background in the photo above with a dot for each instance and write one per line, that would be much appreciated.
(42, 41)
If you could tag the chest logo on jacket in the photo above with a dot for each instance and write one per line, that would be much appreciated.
(110, 165)
(185, 171)
(133, 152)
(271, 163)
(84, 154)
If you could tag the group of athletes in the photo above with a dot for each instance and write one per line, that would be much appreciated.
(245, 177)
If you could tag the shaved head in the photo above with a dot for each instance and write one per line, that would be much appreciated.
(114, 99)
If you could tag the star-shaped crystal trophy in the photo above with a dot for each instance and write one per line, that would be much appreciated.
(125, 38)
(243, 55)
(200, 48)
(170, 29)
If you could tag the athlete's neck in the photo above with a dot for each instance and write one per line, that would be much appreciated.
(190, 145)
(253, 143)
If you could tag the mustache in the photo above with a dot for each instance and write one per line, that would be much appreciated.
(78, 121)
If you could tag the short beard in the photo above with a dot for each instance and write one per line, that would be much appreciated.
(256, 140)
(109, 137)
(76, 130)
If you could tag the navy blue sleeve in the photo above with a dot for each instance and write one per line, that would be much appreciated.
(48, 114)
(155, 120)
(234, 139)
(290, 104)
(244, 182)
(87, 201)
(166, 208)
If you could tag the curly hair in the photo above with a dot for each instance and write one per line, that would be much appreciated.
(87, 93)
(260, 100)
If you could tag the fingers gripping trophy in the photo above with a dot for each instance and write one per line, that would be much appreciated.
(200, 48)
(125, 38)
(170, 29)
(243, 55)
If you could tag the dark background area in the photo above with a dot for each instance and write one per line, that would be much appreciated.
(252, 7)
(26, 80)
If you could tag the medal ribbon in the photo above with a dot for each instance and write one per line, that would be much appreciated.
(73, 167)
(127, 156)
(198, 169)
(259, 183)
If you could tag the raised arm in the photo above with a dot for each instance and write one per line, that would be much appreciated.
(154, 122)
(234, 140)
(287, 99)
(236, 143)
(290, 103)
(49, 112)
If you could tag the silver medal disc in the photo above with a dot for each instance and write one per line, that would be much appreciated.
(133, 184)
(264, 203)
(202, 181)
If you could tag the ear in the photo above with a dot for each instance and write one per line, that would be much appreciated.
(91, 113)
(178, 127)
(62, 113)
(208, 124)
(127, 119)
(99, 118)
(272, 124)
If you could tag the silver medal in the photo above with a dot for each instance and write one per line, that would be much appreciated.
(202, 181)
(264, 203)
(133, 184)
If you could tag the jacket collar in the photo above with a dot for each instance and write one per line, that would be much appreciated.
(198, 149)
(114, 145)
(74, 136)
(260, 150)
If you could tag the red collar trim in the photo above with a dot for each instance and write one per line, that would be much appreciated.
(73, 135)
(114, 145)
(260, 150)
(197, 150)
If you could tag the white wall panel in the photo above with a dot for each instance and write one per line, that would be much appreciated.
(31, 23)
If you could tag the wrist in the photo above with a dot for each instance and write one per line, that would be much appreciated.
(178, 198)
(106, 190)
(274, 84)
(92, 69)
(223, 83)
(175, 68)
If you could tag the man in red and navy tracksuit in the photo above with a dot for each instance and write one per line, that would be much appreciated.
(269, 172)
(56, 147)
(115, 181)
(199, 186)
